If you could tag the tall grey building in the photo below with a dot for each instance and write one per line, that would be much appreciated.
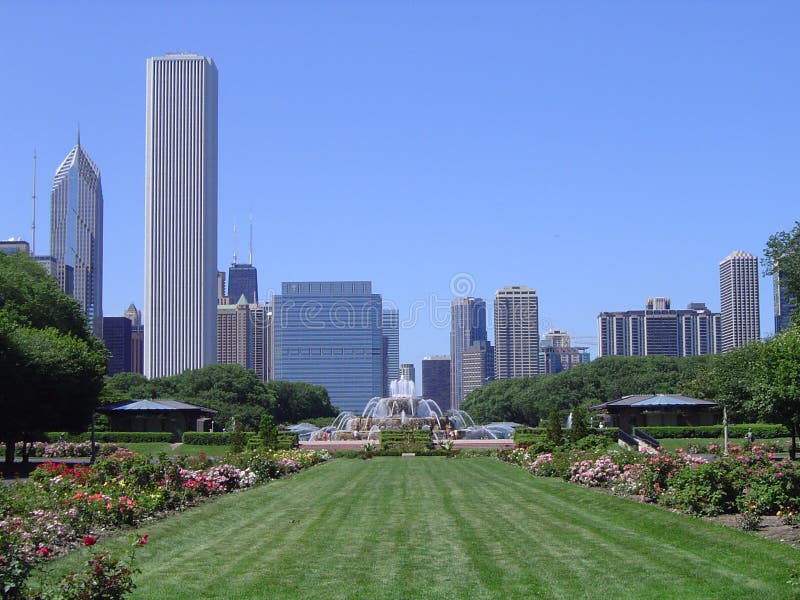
(391, 347)
(76, 233)
(516, 332)
(467, 325)
(329, 333)
(660, 331)
(180, 289)
(738, 290)
(436, 380)
(408, 372)
(785, 303)
(477, 366)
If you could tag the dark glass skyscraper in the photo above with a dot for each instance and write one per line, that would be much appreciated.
(785, 304)
(117, 338)
(436, 380)
(329, 333)
(242, 279)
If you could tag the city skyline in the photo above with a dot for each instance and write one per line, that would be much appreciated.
(478, 127)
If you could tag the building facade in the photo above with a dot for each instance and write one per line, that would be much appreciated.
(329, 333)
(242, 281)
(738, 290)
(516, 332)
(436, 380)
(467, 325)
(235, 334)
(134, 315)
(13, 246)
(391, 347)
(663, 331)
(477, 366)
(76, 233)
(408, 372)
(557, 358)
(180, 290)
(117, 340)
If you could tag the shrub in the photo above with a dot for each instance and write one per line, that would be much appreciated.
(411, 440)
(760, 431)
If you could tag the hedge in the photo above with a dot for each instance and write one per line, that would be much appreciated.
(525, 436)
(394, 439)
(286, 439)
(760, 431)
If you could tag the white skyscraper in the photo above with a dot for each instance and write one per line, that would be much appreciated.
(180, 303)
(516, 332)
(76, 233)
(738, 290)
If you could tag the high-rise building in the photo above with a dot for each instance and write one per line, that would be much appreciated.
(134, 315)
(328, 333)
(558, 338)
(117, 339)
(738, 289)
(408, 372)
(76, 233)
(516, 332)
(785, 303)
(691, 331)
(477, 366)
(12, 246)
(262, 340)
(556, 354)
(467, 325)
(242, 280)
(235, 334)
(391, 347)
(222, 297)
(436, 380)
(180, 290)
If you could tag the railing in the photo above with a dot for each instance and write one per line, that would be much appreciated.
(650, 440)
(627, 438)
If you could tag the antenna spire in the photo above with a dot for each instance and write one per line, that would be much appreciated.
(251, 238)
(33, 208)
(234, 242)
(78, 136)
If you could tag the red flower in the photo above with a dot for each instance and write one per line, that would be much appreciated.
(43, 552)
(88, 540)
(142, 540)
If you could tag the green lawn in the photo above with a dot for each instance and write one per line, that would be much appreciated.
(155, 448)
(439, 528)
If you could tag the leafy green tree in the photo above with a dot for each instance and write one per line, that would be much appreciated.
(776, 382)
(554, 431)
(580, 424)
(268, 433)
(237, 437)
(51, 367)
(298, 401)
(782, 255)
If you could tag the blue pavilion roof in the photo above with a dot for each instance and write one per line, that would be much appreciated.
(655, 400)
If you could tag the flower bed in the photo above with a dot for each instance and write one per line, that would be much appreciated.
(746, 482)
(61, 507)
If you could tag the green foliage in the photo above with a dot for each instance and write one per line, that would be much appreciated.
(298, 401)
(411, 440)
(207, 438)
(554, 431)
(237, 437)
(760, 431)
(267, 433)
(782, 254)
(580, 424)
(51, 367)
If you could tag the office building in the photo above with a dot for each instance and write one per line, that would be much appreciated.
(467, 325)
(180, 290)
(117, 339)
(13, 246)
(261, 315)
(556, 353)
(391, 347)
(235, 334)
(76, 233)
(662, 331)
(242, 281)
(738, 289)
(329, 333)
(134, 315)
(477, 366)
(785, 303)
(516, 332)
(436, 380)
(408, 372)
(222, 297)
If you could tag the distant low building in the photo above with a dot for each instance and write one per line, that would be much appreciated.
(646, 410)
(12, 246)
(172, 416)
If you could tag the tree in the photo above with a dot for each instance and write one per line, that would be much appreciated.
(776, 382)
(580, 424)
(51, 367)
(554, 432)
(297, 401)
(782, 256)
(268, 433)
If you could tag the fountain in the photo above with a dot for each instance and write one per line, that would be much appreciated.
(404, 410)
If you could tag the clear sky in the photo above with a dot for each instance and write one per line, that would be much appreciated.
(598, 152)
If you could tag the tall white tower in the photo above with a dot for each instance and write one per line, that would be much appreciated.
(76, 233)
(516, 332)
(180, 281)
(738, 290)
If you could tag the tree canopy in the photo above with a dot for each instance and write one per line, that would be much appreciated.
(51, 366)
(782, 254)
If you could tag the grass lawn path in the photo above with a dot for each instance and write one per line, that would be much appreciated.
(438, 528)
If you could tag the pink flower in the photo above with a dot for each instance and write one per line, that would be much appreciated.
(142, 540)
(43, 552)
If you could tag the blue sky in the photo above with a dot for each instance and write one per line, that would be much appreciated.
(598, 152)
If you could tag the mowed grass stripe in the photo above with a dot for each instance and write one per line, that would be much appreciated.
(438, 528)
